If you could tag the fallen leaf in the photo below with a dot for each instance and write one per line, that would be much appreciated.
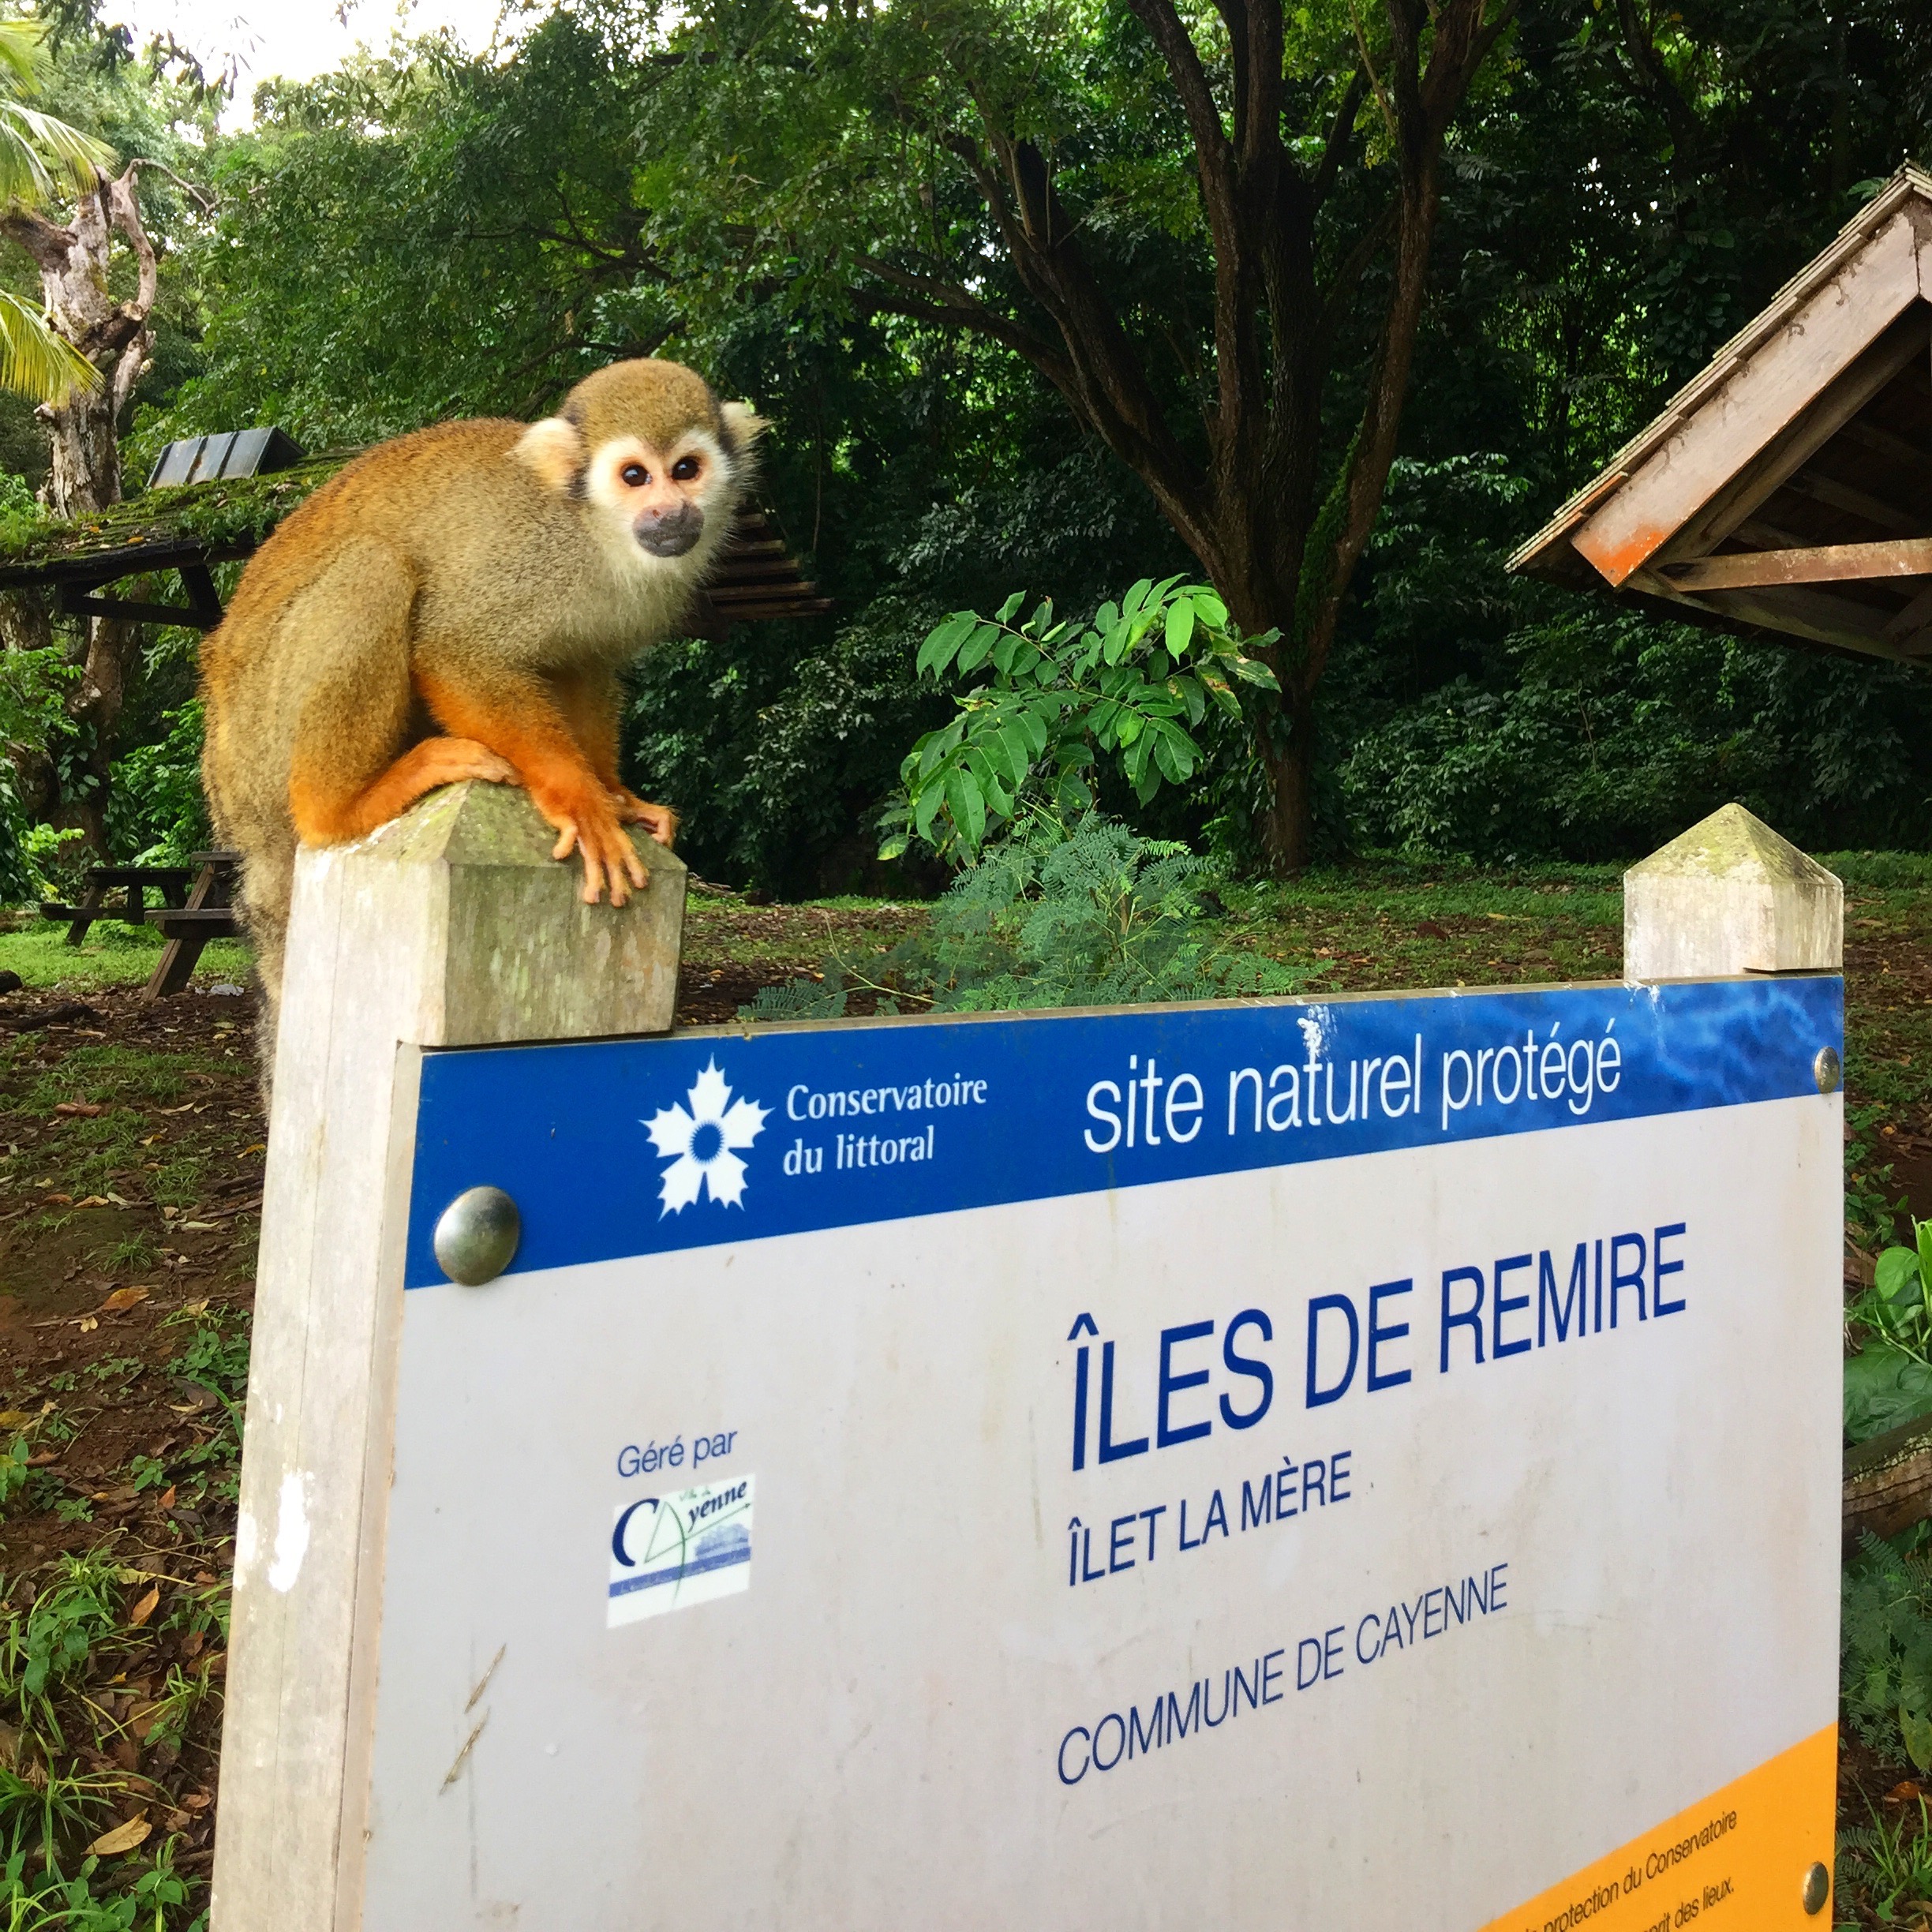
(261, 1146)
(166, 1500)
(85, 1109)
(197, 1801)
(198, 1306)
(63, 1200)
(145, 1608)
(1903, 1793)
(116, 1199)
(207, 1227)
(87, 1323)
(122, 1838)
(92, 1200)
(14, 1418)
(123, 1298)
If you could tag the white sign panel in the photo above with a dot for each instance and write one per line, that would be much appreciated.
(1362, 1465)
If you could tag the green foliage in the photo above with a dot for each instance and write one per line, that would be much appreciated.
(1055, 915)
(158, 814)
(46, 1901)
(1128, 685)
(1889, 1862)
(1885, 1641)
(1888, 1382)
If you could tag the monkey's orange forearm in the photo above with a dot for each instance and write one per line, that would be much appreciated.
(521, 725)
(327, 814)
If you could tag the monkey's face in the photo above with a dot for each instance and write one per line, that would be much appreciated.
(660, 497)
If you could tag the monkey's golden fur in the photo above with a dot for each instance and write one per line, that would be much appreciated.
(455, 605)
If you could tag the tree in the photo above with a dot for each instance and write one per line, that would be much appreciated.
(1015, 172)
(40, 157)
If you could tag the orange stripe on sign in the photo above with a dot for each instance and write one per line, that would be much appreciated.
(1735, 1862)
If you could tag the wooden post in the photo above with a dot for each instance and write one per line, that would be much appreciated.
(452, 926)
(1729, 897)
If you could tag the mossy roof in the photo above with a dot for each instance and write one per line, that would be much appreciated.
(191, 523)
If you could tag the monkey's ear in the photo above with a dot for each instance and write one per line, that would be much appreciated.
(554, 450)
(743, 424)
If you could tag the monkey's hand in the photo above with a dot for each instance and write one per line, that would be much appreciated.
(660, 821)
(587, 822)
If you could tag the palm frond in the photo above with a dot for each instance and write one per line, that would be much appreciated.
(39, 153)
(34, 361)
(21, 44)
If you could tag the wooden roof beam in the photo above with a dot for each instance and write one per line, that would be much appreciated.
(1906, 556)
(1857, 503)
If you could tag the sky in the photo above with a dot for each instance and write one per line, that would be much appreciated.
(297, 39)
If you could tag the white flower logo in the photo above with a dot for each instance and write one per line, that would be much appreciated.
(702, 1145)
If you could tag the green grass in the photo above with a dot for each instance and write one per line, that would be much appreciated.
(114, 955)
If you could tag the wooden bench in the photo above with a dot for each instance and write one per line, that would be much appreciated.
(208, 913)
(172, 882)
(197, 906)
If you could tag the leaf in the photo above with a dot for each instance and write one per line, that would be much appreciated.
(123, 1298)
(1136, 596)
(1019, 753)
(125, 1837)
(1916, 1729)
(1012, 604)
(1897, 1281)
(1010, 645)
(945, 639)
(973, 652)
(1884, 1387)
(1209, 608)
(1251, 671)
(145, 1607)
(1106, 617)
(1186, 693)
(926, 808)
(968, 806)
(894, 847)
(1180, 628)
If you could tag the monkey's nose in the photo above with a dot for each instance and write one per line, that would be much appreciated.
(669, 532)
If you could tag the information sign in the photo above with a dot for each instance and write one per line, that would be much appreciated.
(1363, 1464)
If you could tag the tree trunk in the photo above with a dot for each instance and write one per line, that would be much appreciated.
(83, 430)
(1288, 824)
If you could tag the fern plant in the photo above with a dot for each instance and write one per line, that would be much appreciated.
(1886, 1649)
(1057, 914)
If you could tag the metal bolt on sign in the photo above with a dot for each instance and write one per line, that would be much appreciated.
(475, 1237)
(1817, 1888)
(1828, 1069)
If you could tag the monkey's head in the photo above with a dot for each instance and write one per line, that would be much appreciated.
(649, 446)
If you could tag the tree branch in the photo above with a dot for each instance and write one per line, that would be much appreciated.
(1341, 133)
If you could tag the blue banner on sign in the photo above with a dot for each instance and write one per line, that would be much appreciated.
(619, 1147)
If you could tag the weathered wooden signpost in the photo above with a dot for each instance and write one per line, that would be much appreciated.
(1359, 1464)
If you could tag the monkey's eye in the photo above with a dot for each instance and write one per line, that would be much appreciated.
(685, 468)
(635, 475)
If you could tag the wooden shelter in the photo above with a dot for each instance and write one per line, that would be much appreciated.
(187, 529)
(1788, 489)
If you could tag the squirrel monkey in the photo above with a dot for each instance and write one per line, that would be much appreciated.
(455, 604)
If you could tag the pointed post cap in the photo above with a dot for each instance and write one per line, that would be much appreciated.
(1728, 897)
(461, 899)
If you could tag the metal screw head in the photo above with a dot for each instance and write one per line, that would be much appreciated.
(1818, 1880)
(1828, 1070)
(477, 1235)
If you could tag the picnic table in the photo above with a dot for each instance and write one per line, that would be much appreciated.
(197, 906)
